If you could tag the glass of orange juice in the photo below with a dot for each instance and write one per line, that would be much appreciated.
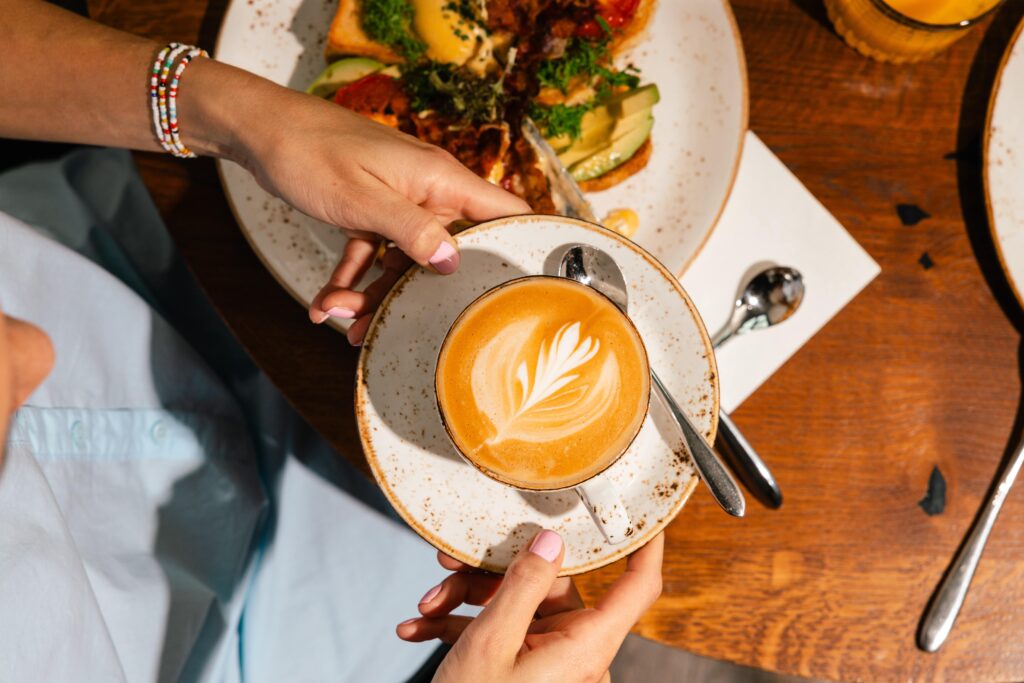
(905, 30)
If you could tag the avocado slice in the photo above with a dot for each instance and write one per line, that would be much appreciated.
(342, 72)
(629, 103)
(580, 151)
(625, 125)
(608, 135)
(595, 125)
(606, 124)
(613, 155)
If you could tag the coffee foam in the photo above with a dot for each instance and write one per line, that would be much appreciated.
(543, 383)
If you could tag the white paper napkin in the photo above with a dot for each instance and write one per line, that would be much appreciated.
(771, 218)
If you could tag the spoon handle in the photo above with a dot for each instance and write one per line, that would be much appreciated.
(938, 620)
(738, 316)
(724, 335)
(751, 468)
(722, 486)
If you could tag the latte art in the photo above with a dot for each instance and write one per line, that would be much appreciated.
(542, 383)
(560, 389)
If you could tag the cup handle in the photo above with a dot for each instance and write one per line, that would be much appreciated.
(606, 508)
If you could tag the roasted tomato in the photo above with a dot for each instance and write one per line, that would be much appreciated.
(376, 97)
(616, 13)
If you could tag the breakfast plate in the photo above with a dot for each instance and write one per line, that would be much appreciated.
(449, 502)
(1004, 163)
(691, 49)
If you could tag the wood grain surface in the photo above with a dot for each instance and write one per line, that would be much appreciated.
(921, 370)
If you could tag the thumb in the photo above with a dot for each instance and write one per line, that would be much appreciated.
(528, 580)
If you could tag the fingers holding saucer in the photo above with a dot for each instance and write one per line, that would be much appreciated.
(453, 565)
(342, 301)
(446, 629)
(356, 260)
(459, 589)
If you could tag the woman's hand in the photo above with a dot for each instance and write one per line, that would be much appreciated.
(369, 180)
(373, 182)
(534, 626)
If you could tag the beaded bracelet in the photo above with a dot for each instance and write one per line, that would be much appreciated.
(163, 95)
(163, 68)
(173, 103)
(153, 83)
(165, 131)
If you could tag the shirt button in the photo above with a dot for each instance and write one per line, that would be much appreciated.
(78, 434)
(158, 432)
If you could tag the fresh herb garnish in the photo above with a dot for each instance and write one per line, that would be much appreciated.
(611, 79)
(581, 58)
(388, 22)
(467, 9)
(589, 60)
(628, 77)
(454, 92)
(560, 119)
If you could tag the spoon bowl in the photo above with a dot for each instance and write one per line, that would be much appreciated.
(771, 297)
(597, 270)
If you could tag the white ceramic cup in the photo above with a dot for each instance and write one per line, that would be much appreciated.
(598, 493)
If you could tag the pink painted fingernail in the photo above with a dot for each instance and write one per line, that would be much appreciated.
(408, 621)
(338, 312)
(547, 544)
(445, 259)
(431, 594)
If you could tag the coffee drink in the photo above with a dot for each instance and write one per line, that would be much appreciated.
(542, 383)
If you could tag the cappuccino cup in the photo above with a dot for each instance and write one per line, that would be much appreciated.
(542, 384)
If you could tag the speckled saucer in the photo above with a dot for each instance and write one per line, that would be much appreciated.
(451, 504)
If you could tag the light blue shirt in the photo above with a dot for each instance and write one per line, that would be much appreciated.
(164, 514)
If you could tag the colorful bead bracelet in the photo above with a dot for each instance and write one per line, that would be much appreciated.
(163, 95)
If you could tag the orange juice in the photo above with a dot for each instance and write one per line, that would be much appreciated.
(904, 30)
(942, 11)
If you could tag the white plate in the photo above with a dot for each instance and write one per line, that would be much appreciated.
(450, 503)
(1004, 163)
(693, 52)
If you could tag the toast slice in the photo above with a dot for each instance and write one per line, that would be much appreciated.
(347, 38)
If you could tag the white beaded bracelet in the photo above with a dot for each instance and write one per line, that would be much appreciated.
(172, 100)
(163, 95)
(160, 113)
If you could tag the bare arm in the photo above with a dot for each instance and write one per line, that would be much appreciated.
(67, 79)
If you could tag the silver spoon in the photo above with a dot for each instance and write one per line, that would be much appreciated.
(768, 299)
(594, 268)
(945, 606)
(771, 297)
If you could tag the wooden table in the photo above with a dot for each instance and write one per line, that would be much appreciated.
(922, 369)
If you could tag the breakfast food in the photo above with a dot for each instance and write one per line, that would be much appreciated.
(542, 383)
(463, 74)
